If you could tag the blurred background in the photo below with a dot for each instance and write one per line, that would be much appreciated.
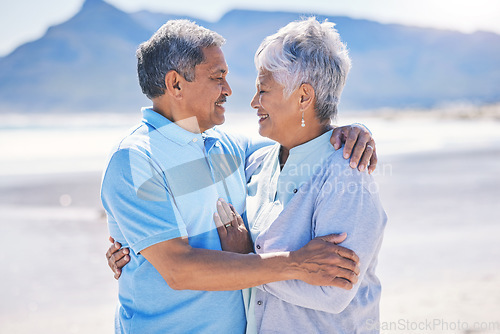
(425, 80)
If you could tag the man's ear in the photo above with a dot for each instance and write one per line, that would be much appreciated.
(307, 95)
(173, 82)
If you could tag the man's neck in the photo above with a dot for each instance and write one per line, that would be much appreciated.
(187, 123)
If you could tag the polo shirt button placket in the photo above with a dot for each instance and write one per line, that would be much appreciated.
(259, 302)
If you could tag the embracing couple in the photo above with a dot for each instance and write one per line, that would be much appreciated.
(217, 233)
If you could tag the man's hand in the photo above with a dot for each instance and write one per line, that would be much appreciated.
(325, 263)
(359, 145)
(234, 236)
(117, 257)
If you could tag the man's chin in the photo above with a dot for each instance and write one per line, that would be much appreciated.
(220, 119)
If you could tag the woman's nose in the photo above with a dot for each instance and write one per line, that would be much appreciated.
(255, 101)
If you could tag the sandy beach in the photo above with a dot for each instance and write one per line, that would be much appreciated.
(439, 264)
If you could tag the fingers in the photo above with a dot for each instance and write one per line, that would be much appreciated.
(373, 161)
(239, 220)
(347, 264)
(342, 283)
(118, 260)
(119, 255)
(360, 148)
(334, 238)
(348, 275)
(224, 211)
(119, 264)
(351, 134)
(367, 154)
(347, 254)
(111, 239)
(336, 138)
(117, 268)
(221, 229)
(113, 249)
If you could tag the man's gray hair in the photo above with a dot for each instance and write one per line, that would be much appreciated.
(307, 51)
(178, 45)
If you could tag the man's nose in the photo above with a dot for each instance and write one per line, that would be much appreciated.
(226, 89)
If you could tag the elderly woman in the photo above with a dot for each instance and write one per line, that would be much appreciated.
(302, 187)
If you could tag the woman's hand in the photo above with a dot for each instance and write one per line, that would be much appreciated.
(117, 257)
(359, 145)
(234, 236)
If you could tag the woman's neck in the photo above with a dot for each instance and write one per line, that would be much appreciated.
(310, 134)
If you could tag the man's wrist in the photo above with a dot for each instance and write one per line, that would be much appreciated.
(293, 268)
(284, 264)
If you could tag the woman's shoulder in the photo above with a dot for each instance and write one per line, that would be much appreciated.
(334, 161)
(335, 168)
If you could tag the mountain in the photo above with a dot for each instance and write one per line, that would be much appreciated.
(88, 62)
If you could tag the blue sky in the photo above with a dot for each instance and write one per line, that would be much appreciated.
(25, 20)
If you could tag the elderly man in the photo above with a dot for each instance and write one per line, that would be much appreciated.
(160, 190)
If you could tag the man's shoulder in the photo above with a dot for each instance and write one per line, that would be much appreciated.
(335, 158)
(134, 145)
(228, 137)
(335, 170)
(137, 136)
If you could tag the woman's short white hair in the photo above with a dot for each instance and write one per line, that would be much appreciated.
(307, 51)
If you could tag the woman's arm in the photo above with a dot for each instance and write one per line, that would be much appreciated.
(346, 203)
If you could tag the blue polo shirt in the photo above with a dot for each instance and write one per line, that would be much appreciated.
(163, 182)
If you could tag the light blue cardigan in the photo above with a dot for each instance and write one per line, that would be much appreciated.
(315, 194)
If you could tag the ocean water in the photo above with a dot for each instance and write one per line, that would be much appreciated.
(39, 144)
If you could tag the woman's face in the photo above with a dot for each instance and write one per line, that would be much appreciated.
(278, 116)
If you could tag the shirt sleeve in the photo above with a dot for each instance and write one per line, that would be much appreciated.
(135, 194)
(250, 144)
(346, 203)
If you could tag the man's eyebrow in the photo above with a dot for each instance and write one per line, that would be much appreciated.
(220, 70)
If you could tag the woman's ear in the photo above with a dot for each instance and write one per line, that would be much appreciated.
(173, 82)
(307, 95)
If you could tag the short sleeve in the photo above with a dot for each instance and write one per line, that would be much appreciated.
(249, 144)
(135, 195)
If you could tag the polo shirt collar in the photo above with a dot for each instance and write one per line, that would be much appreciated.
(169, 129)
(211, 138)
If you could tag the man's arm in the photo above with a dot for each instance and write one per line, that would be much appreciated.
(357, 139)
(184, 267)
(135, 194)
(269, 266)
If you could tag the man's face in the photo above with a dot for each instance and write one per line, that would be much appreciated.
(206, 95)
